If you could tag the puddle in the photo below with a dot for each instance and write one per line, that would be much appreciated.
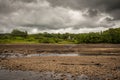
(100, 54)
(30, 75)
(18, 55)
(11, 55)
(50, 54)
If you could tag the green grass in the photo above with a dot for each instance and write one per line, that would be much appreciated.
(65, 42)
(26, 41)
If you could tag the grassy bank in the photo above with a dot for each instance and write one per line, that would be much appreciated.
(17, 36)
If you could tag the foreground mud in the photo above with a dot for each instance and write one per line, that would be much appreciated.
(100, 67)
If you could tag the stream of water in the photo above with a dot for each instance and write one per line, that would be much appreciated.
(30, 75)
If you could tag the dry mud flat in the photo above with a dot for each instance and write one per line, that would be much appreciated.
(92, 67)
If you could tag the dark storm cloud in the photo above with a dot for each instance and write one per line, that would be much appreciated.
(28, 1)
(5, 7)
(8, 6)
(40, 27)
(109, 6)
(91, 13)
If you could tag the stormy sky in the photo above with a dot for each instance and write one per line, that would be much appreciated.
(59, 16)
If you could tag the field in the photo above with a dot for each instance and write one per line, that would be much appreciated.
(101, 61)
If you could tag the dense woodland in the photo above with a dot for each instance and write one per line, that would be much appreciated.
(17, 36)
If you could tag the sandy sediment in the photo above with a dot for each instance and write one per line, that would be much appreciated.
(98, 66)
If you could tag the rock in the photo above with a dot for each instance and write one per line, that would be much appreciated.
(82, 77)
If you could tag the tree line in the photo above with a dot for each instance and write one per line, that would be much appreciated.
(111, 35)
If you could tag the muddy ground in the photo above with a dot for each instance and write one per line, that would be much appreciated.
(95, 67)
(103, 67)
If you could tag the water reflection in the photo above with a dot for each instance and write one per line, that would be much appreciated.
(50, 54)
(30, 75)
(18, 55)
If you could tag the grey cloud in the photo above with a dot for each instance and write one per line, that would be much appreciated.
(115, 14)
(94, 4)
(8, 6)
(92, 12)
(5, 7)
(27, 1)
(108, 19)
(109, 6)
(41, 27)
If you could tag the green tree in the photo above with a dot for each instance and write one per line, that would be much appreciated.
(18, 33)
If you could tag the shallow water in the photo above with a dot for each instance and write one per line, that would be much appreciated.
(50, 54)
(30, 75)
(18, 55)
